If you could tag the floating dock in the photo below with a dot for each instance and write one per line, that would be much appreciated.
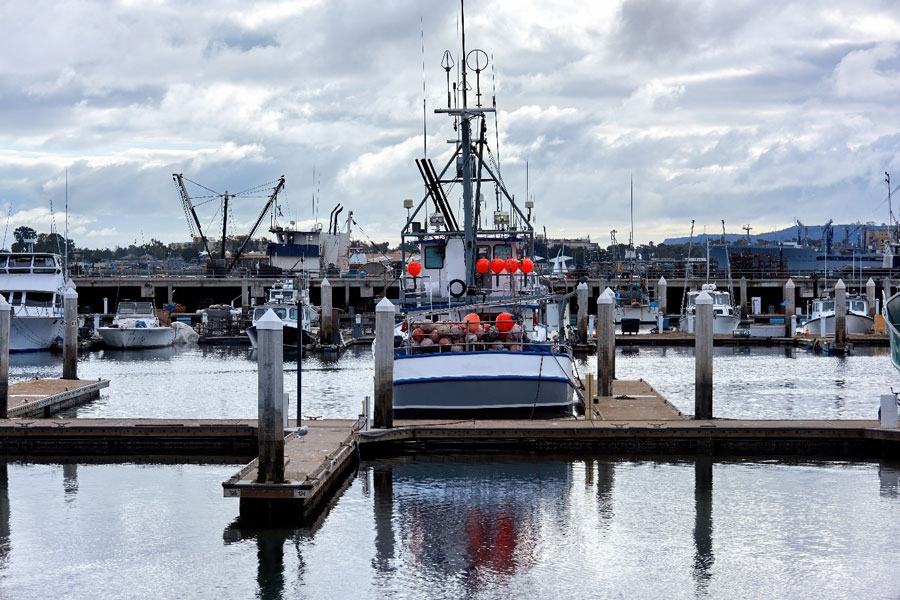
(43, 397)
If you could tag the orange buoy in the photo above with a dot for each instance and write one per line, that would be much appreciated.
(527, 266)
(497, 265)
(473, 321)
(414, 268)
(512, 265)
(505, 322)
(483, 265)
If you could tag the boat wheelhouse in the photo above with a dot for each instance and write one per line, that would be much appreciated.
(33, 283)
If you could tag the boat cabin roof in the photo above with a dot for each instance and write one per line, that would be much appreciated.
(135, 308)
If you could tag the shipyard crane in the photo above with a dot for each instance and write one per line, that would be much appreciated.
(827, 235)
(190, 210)
(802, 241)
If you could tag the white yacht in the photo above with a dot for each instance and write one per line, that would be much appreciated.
(821, 317)
(137, 326)
(282, 300)
(725, 319)
(33, 283)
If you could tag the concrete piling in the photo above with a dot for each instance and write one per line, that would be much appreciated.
(790, 306)
(840, 312)
(888, 412)
(326, 320)
(745, 302)
(887, 287)
(662, 295)
(270, 395)
(870, 296)
(70, 334)
(606, 343)
(4, 356)
(383, 417)
(703, 357)
(245, 295)
(581, 294)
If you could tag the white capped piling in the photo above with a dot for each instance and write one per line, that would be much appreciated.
(606, 343)
(790, 306)
(886, 287)
(4, 355)
(703, 356)
(888, 412)
(326, 321)
(383, 416)
(840, 312)
(70, 334)
(870, 296)
(662, 296)
(106, 306)
(270, 396)
(581, 294)
(745, 304)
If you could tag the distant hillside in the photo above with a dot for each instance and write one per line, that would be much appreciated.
(789, 234)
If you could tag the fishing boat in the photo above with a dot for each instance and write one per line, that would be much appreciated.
(633, 302)
(480, 335)
(822, 316)
(891, 311)
(33, 283)
(283, 299)
(136, 325)
(725, 318)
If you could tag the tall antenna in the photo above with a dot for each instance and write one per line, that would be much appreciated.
(66, 255)
(424, 121)
(631, 235)
(887, 177)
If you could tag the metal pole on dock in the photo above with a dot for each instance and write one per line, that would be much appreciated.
(299, 359)
(662, 296)
(326, 328)
(840, 312)
(70, 334)
(581, 294)
(270, 394)
(4, 356)
(790, 306)
(870, 296)
(245, 295)
(703, 355)
(383, 417)
(606, 343)
(745, 304)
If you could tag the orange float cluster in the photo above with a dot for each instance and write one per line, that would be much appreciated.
(471, 334)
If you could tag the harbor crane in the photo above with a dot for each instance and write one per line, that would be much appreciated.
(196, 228)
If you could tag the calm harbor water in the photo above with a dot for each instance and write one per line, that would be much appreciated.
(203, 382)
(478, 527)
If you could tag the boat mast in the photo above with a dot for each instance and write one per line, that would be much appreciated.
(465, 122)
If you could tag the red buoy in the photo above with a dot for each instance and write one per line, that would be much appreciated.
(473, 321)
(414, 268)
(483, 265)
(497, 265)
(512, 265)
(527, 266)
(505, 322)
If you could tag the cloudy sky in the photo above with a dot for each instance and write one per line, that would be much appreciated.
(753, 112)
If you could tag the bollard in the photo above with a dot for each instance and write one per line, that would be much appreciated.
(70, 334)
(888, 412)
(870, 297)
(4, 356)
(840, 312)
(270, 395)
(106, 306)
(326, 324)
(793, 330)
(662, 296)
(745, 310)
(383, 417)
(660, 323)
(790, 306)
(703, 354)
(606, 343)
(581, 294)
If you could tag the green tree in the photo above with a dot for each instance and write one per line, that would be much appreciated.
(22, 233)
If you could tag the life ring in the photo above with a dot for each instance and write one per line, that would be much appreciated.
(462, 288)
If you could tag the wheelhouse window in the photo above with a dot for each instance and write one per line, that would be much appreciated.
(19, 264)
(39, 299)
(434, 257)
(502, 251)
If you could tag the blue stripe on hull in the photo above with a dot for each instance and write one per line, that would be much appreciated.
(469, 395)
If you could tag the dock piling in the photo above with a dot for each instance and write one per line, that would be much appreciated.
(383, 417)
(662, 296)
(326, 324)
(590, 393)
(70, 334)
(270, 392)
(840, 312)
(745, 304)
(606, 343)
(703, 355)
(581, 294)
(888, 413)
(870, 296)
(790, 306)
(4, 356)
(887, 287)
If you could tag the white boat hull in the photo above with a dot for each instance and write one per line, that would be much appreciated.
(722, 324)
(824, 326)
(483, 382)
(137, 337)
(33, 334)
(891, 312)
(646, 314)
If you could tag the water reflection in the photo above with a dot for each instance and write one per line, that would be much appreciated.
(4, 516)
(703, 527)
(271, 576)
(70, 480)
(889, 481)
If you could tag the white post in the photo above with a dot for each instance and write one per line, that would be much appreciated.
(581, 294)
(70, 334)
(793, 331)
(870, 296)
(745, 304)
(660, 323)
(606, 343)
(889, 411)
(703, 355)
(383, 417)
(840, 312)
(106, 306)
(4, 356)
(662, 297)
(790, 303)
(270, 397)
(326, 323)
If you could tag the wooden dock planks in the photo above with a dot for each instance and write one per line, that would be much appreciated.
(43, 397)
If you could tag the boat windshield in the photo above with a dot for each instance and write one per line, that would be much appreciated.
(279, 312)
(721, 299)
(826, 306)
(858, 306)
